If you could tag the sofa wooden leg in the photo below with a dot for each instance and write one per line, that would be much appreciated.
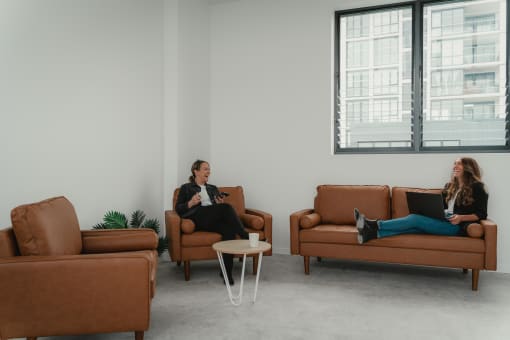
(307, 264)
(319, 259)
(464, 271)
(138, 335)
(474, 279)
(31, 338)
(178, 263)
(255, 264)
(186, 270)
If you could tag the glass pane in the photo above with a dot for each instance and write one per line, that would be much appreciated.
(463, 86)
(375, 97)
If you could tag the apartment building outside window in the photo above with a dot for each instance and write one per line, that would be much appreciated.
(438, 86)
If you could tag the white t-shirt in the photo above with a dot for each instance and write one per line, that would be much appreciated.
(205, 200)
(451, 203)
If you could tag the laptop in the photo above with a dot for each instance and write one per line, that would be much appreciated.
(426, 204)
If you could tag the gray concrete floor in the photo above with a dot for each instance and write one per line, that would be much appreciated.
(338, 300)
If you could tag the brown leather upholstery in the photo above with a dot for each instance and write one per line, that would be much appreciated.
(186, 244)
(329, 230)
(62, 294)
(49, 227)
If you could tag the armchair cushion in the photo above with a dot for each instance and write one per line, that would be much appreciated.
(252, 221)
(187, 226)
(49, 227)
(118, 240)
(309, 221)
(475, 230)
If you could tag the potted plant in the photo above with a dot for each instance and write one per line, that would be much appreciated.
(117, 220)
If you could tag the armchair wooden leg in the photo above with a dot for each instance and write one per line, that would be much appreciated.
(178, 263)
(464, 271)
(474, 279)
(186, 270)
(319, 259)
(307, 264)
(31, 338)
(138, 335)
(255, 264)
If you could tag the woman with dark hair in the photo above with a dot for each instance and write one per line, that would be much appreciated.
(202, 203)
(464, 199)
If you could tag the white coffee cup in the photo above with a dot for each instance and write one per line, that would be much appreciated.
(254, 239)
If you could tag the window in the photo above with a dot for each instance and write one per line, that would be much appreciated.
(385, 81)
(439, 87)
(357, 84)
(357, 54)
(384, 51)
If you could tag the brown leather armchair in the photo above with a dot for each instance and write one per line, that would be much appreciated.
(58, 280)
(185, 244)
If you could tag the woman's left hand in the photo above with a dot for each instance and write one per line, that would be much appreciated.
(219, 199)
(455, 219)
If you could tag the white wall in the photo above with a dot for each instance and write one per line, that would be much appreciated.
(194, 121)
(81, 105)
(186, 90)
(271, 116)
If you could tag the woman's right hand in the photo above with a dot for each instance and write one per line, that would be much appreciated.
(194, 200)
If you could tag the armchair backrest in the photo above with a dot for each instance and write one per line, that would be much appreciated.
(49, 227)
(235, 198)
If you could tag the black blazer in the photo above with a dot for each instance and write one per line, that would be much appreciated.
(186, 192)
(478, 207)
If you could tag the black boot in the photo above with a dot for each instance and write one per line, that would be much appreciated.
(367, 229)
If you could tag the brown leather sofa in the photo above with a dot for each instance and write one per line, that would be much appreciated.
(185, 244)
(58, 280)
(328, 230)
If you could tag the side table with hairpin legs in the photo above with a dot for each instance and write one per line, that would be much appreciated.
(240, 247)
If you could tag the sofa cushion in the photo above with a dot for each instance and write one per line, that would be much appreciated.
(345, 234)
(335, 203)
(330, 233)
(399, 206)
(49, 227)
(432, 242)
(310, 220)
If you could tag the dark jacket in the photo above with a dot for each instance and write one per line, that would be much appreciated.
(478, 207)
(186, 192)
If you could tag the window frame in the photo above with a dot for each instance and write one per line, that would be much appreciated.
(416, 84)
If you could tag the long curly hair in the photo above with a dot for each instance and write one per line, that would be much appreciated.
(470, 175)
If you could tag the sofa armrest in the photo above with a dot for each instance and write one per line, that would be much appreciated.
(74, 294)
(173, 233)
(268, 226)
(294, 229)
(491, 243)
(118, 240)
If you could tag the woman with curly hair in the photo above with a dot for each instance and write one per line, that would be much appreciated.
(465, 202)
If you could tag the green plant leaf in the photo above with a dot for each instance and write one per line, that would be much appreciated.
(115, 220)
(137, 219)
(153, 224)
(162, 245)
(100, 225)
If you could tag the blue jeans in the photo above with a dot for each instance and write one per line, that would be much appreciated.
(417, 224)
